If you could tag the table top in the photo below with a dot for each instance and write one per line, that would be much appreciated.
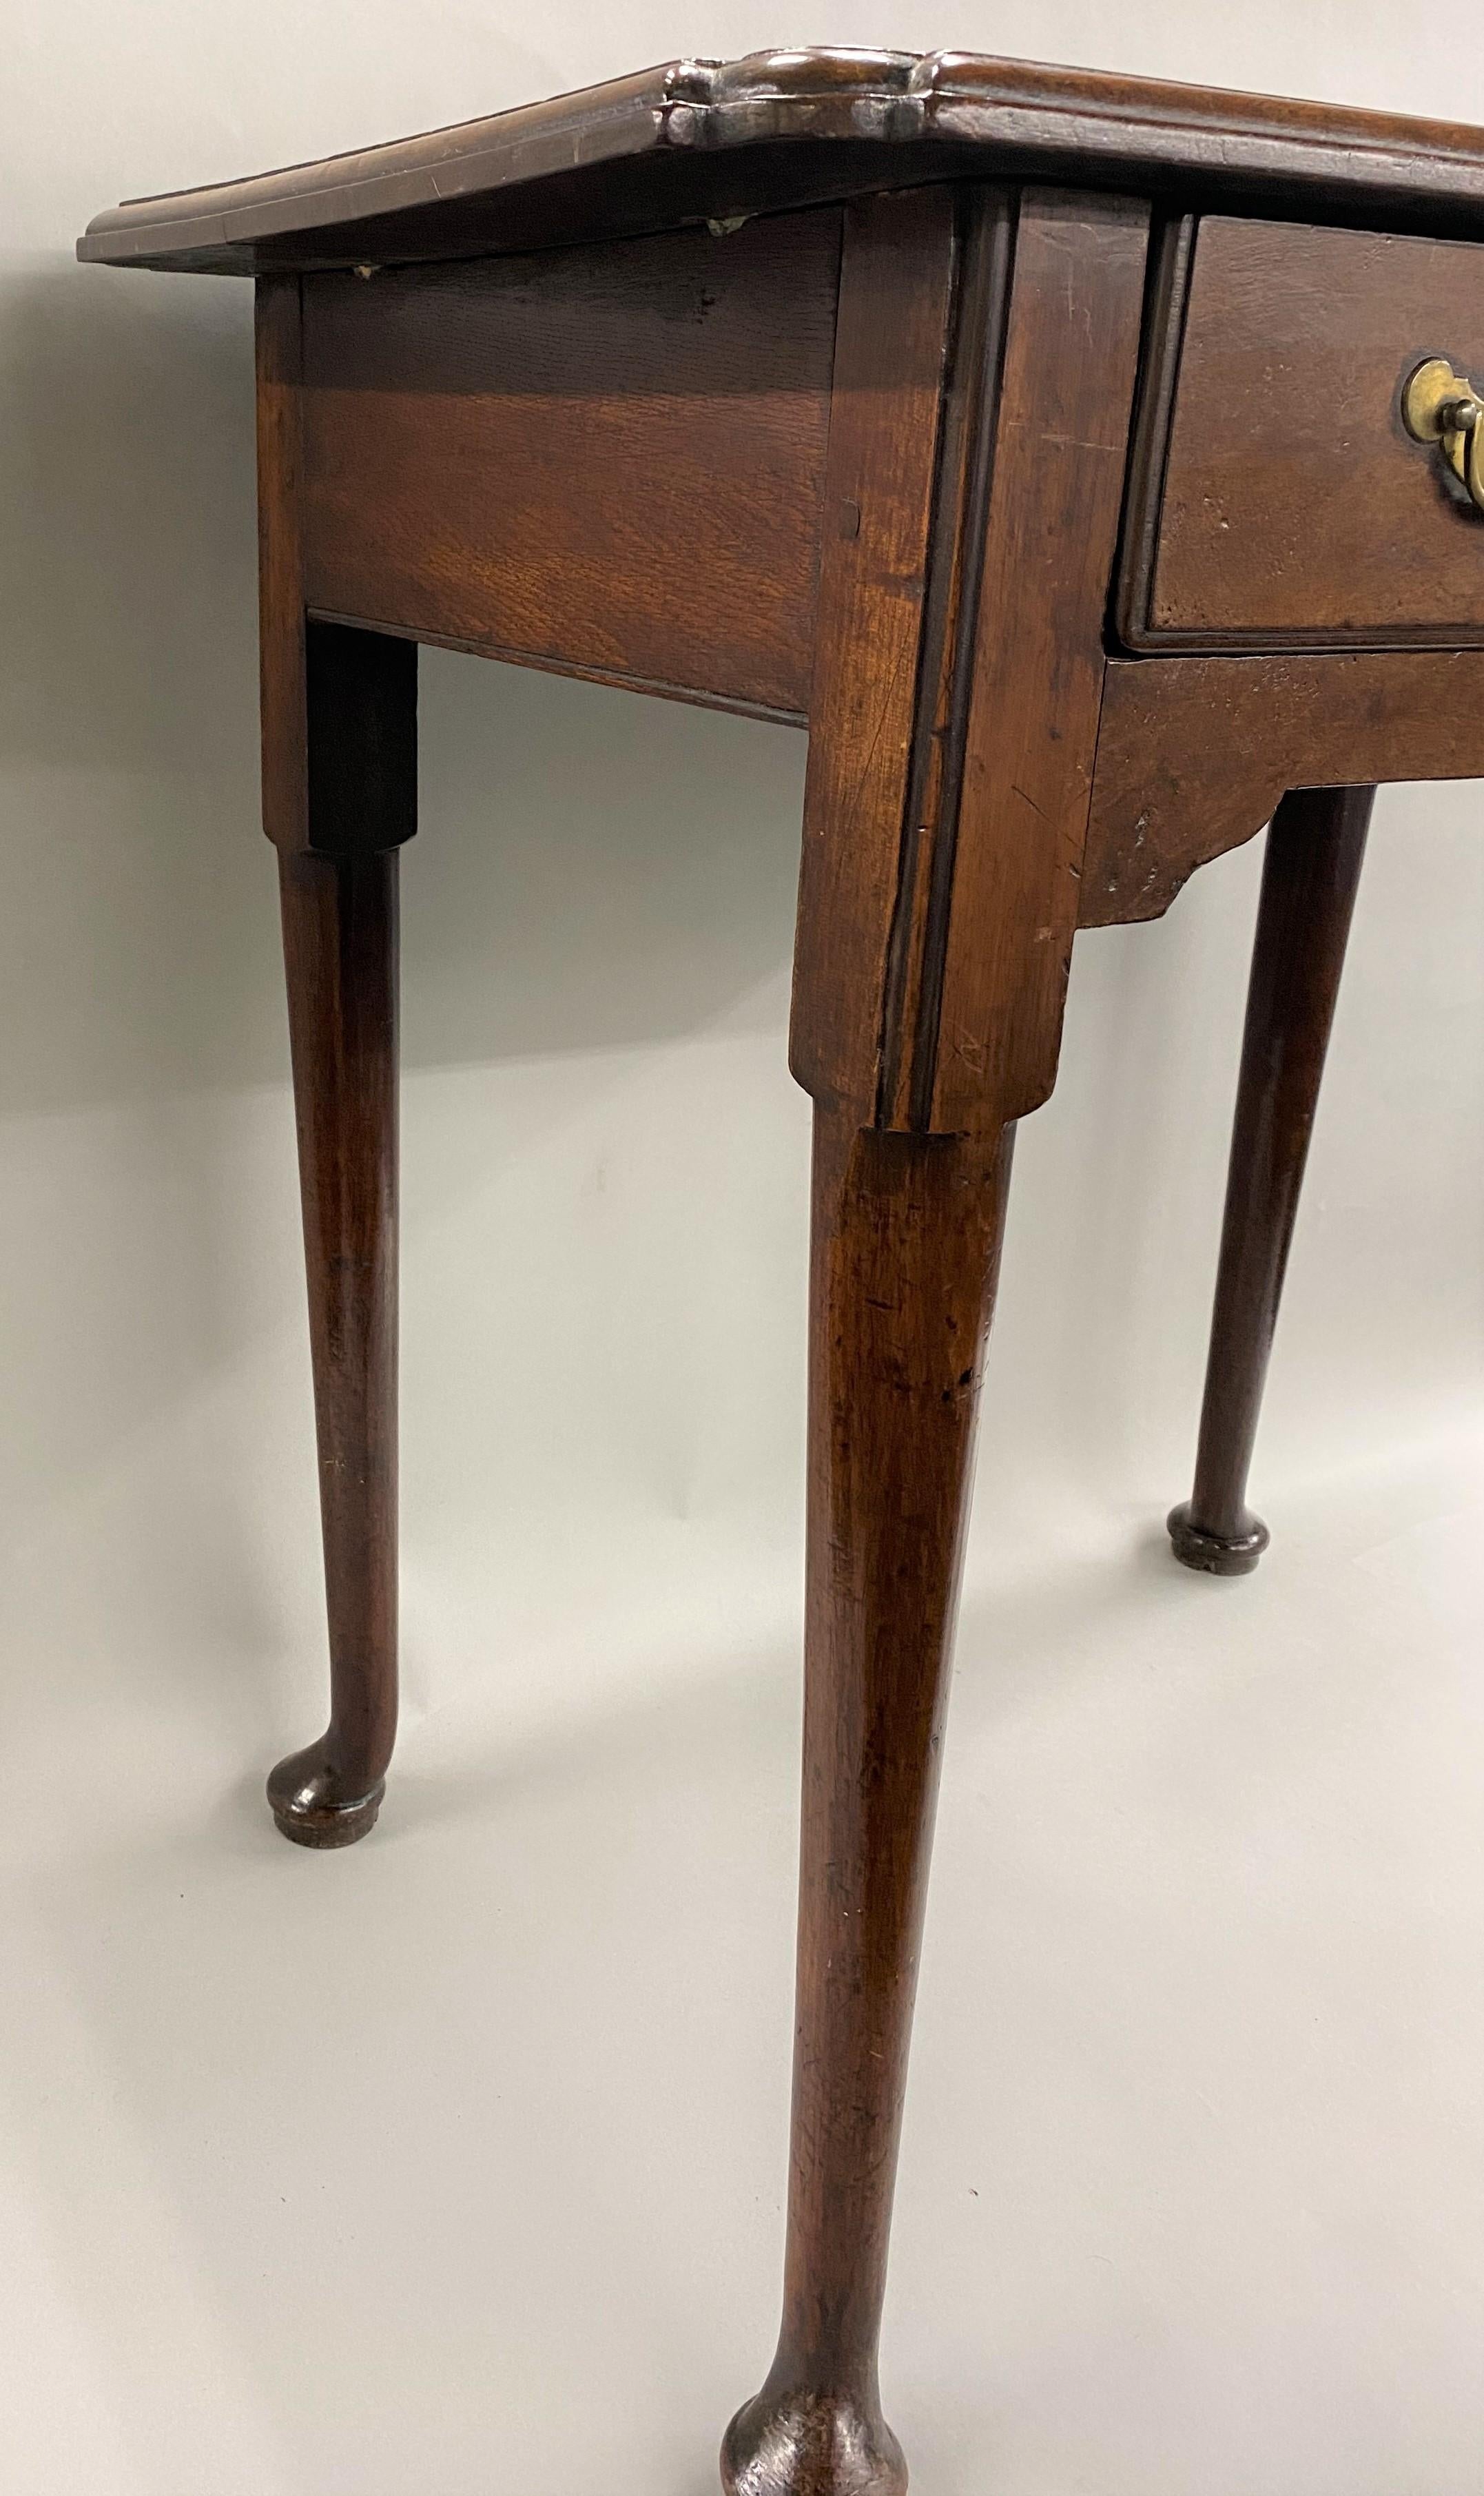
(721, 138)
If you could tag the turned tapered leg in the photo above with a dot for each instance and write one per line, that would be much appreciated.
(339, 799)
(340, 956)
(1308, 879)
(906, 1243)
(342, 799)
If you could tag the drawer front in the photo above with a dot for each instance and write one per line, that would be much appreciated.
(1277, 499)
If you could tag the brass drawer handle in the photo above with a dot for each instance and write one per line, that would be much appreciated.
(1437, 405)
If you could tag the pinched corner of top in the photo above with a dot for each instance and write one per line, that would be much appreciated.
(816, 91)
(811, 71)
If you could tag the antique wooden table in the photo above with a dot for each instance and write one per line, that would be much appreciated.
(1090, 467)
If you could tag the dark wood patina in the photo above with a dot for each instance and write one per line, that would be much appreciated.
(1038, 441)
(710, 139)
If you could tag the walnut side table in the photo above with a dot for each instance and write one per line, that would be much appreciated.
(1093, 468)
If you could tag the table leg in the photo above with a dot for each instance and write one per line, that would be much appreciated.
(340, 795)
(340, 956)
(906, 1234)
(1309, 881)
(339, 799)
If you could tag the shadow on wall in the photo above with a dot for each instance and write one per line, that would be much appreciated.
(595, 870)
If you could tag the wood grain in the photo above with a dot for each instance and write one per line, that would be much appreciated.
(906, 1245)
(339, 706)
(1064, 402)
(896, 294)
(1295, 508)
(608, 461)
(1193, 754)
(946, 669)
(1167, 295)
(283, 703)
